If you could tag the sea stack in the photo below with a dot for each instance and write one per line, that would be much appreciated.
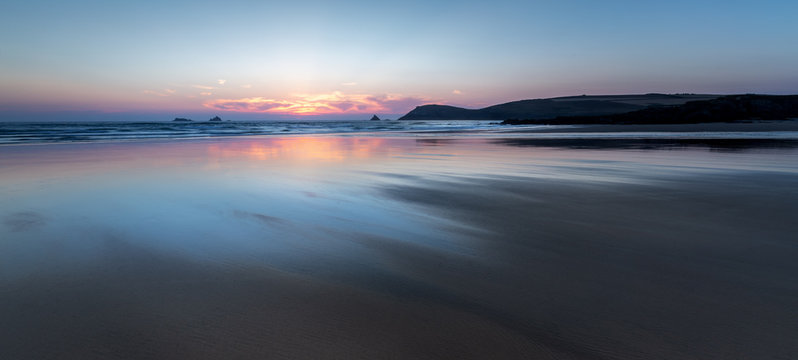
(215, 118)
(375, 118)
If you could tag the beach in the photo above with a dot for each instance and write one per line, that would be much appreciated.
(396, 246)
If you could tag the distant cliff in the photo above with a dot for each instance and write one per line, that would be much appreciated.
(552, 108)
(445, 112)
(721, 109)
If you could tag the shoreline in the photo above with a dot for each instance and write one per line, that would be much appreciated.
(785, 129)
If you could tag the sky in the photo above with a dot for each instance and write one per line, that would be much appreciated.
(249, 60)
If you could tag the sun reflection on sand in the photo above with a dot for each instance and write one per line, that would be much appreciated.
(299, 149)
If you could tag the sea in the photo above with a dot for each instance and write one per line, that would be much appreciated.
(47, 132)
(103, 131)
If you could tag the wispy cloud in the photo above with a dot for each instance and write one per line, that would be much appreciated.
(320, 104)
(456, 92)
(203, 87)
(164, 93)
(221, 81)
(206, 93)
(247, 86)
(349, 83)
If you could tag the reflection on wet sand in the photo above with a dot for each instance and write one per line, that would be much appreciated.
(652, 143)
(297, 149)
(361, 247)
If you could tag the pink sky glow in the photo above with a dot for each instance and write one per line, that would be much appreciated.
(319, 104)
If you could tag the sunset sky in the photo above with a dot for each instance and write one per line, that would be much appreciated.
(350, 59)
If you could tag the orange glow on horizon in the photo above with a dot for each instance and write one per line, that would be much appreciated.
(318, 104)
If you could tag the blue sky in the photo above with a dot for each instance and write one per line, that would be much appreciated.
(265, 60)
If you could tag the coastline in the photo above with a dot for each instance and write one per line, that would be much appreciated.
(108, 132)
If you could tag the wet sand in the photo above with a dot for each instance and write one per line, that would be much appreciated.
(751, 126)
(327, 247)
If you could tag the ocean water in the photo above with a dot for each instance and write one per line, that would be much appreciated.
(18, 132)
(72, 132)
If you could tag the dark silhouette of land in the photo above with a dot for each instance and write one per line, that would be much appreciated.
(554, 107)
(623, 109)
(722, 109)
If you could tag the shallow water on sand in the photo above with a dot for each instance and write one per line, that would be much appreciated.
(399, 247)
